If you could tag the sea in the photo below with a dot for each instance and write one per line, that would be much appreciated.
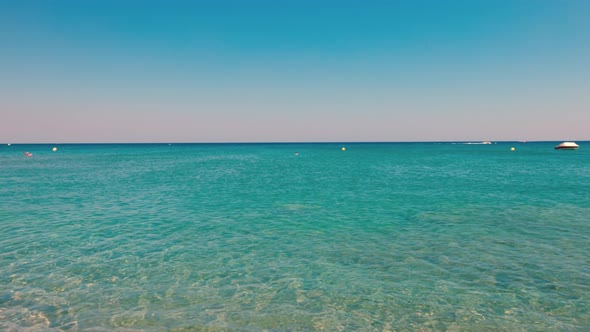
(295, 237)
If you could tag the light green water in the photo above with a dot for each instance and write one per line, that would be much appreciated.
(248, 237)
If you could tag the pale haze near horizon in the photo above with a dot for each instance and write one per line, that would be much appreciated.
(264, 71)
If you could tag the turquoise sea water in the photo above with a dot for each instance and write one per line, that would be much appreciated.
(250, 237)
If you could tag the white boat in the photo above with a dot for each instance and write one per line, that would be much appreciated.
(567, 146)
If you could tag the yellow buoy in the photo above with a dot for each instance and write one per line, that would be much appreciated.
(54, 149)
(343, 149)
(512, 149)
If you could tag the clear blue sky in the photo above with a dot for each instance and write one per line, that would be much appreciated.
(219, 71)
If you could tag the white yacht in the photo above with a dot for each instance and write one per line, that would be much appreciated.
(567, 146)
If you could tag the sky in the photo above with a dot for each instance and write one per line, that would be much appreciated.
(293, 71)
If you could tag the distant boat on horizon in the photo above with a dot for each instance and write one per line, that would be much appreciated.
(567, 146)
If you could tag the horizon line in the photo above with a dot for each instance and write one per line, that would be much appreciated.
(291, 142)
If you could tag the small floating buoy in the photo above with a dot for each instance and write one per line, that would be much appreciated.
(512, 149)
(54, 149)
(8, 144)
(343, 149)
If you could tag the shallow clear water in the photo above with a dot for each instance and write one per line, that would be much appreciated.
(419, 236)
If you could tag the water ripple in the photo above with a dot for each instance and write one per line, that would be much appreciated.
(380, 238)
